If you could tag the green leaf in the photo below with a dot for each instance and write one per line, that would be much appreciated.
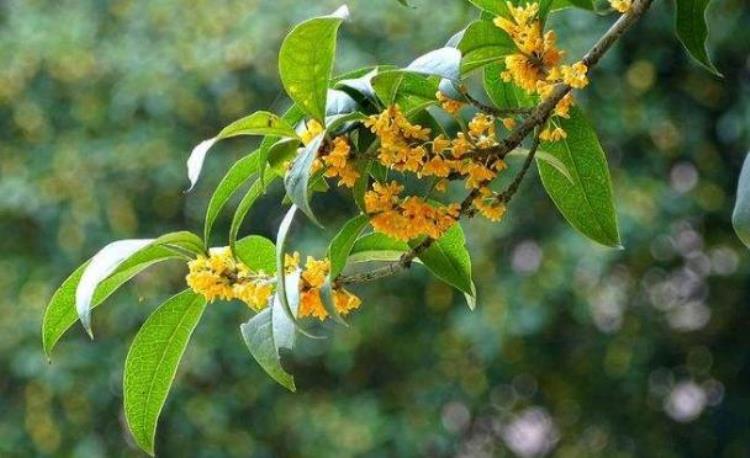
(342, 243)
(281, 286)
(257, 253)
(255, 191)
(151, 364)
(484, 43)
(448, 259)
(377, 247)
(297, 180)
(306, 62)
(502, 94)
(237, 175)
(545, 157)
(586, 202)
(61, 312)
(362, 183)
(741, 215)
(259, 123)
(496, 7)
(292, 116)
(562, 4)
(692, 30)
(410, 91)
(258, 336)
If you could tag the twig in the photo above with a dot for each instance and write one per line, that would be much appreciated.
(537, 117)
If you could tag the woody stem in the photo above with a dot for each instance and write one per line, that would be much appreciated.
(537, 117)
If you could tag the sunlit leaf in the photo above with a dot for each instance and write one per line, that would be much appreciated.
(306, 62)
(61, 314)
(152, 362)
(257, 253)
(259, 123)
(484, 43)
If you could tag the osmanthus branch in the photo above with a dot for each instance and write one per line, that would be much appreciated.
(536, 118)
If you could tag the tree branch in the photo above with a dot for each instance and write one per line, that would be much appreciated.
(536, 118)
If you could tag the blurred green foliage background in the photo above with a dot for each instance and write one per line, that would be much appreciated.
(574, 350)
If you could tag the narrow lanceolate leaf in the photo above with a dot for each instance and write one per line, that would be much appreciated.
(483, 43)
(306, 62)
(449, 260)
(257, 253)
(741, 215)
(297, 180)
(258, 336)
(339, 103)
(255, 191)
(587, 201)
(377, 247)
(259, 123)
(61, 312)
(281, 237)
(443, 62)
(151, 364)
(101, 266)
(238, 175)
(692, 30)
(342, 243)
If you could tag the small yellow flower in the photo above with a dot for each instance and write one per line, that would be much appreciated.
(622, 6)
(449, 105)
(312, 129)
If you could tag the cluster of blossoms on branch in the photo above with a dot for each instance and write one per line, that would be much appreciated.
(220, 276)
(328, 133)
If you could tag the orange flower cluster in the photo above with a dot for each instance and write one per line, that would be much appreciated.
(405, 147)
(337, 157)
(313, 279)
(407, 218)
(536, 67)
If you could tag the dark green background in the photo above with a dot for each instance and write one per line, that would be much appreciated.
(100, 102)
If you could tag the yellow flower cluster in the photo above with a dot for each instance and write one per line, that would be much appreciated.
(407, 218)
(312, 129)
(489, 206)
(536, 68)
(335, 156)
(313, 279)
(448, 104)
(220, 276)
(622, 6)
